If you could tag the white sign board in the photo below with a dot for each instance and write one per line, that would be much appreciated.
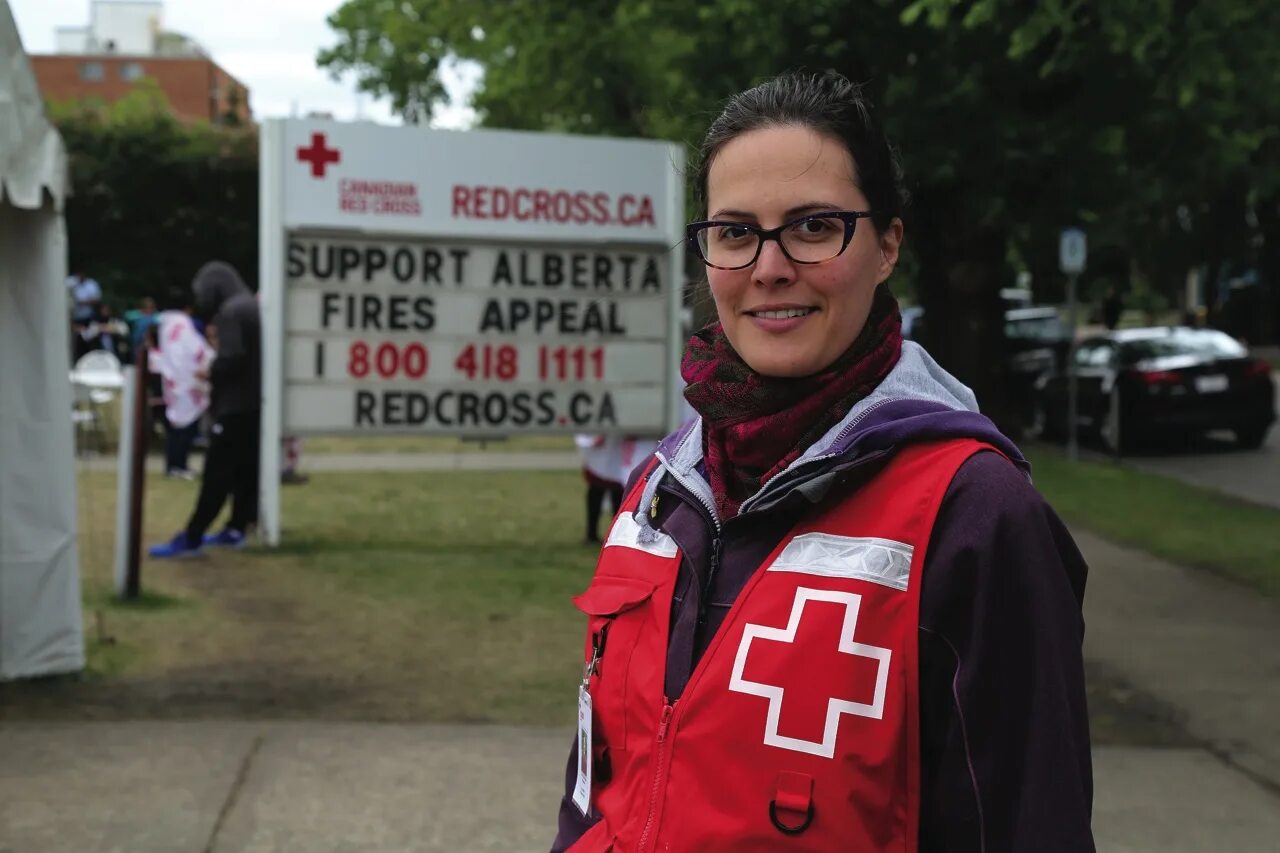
(467, 283)
(474, 338)
(1072, 251)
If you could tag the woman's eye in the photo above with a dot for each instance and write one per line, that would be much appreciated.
(814, 227)
(733, 233)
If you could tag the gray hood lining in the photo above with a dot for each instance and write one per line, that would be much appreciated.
(916, 376)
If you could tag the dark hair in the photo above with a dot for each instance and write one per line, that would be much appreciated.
(829, 104)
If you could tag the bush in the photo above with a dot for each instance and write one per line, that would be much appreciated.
(153, 199)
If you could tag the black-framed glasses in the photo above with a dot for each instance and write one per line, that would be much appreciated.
(809, 239)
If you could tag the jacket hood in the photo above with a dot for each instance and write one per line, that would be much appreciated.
(214, 284)
(918, 401)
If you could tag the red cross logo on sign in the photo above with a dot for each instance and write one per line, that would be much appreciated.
(319, 155)
(849, 664)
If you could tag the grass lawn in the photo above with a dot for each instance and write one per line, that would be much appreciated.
(1165, 517)
(395, 597)
(430, 597)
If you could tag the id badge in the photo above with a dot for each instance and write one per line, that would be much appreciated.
(582, 789)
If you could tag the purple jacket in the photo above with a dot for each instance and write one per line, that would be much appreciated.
(1005, 733)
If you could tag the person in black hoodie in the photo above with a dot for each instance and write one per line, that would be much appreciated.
(231, 465)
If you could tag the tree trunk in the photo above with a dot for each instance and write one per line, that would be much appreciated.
(961, 273)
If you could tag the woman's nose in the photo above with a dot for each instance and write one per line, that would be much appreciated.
(773, 267)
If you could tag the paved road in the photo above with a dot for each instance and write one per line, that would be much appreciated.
(1215, 463)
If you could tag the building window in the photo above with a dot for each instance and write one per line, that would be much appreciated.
(91, 71)
(131, 71)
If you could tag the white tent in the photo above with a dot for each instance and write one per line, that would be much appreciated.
(41, 631)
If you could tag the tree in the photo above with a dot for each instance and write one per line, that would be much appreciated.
(1014, 119)
(152, 199)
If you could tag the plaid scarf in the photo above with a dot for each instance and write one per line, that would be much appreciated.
(755, 426)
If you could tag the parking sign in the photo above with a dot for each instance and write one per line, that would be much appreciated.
(1072, 251)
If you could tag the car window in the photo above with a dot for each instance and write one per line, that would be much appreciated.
(1093, 354)
(1047, 329)
(1197, 342)
(1084, 353)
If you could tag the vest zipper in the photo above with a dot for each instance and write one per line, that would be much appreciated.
(717, 545)
(693, 491)
(660, 769)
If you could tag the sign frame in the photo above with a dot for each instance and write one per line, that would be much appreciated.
(274, 236)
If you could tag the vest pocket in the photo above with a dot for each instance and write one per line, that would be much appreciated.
(615, 619)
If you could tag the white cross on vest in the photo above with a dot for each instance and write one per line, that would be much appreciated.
(835, 707)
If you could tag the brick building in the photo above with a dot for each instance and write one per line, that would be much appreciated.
(125, 43)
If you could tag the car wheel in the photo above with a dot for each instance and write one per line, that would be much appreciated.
(1106, 430)
(1035, 426)
(1251, 437)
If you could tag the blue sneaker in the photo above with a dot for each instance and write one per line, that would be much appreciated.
(176, 548)
(225, 538)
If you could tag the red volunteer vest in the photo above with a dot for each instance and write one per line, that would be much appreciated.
(799, 728)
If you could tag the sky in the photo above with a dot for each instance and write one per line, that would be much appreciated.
(269, 45)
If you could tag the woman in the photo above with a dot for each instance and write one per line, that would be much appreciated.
(833, 614)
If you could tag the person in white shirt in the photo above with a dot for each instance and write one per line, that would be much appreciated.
(181, 356)
(607, 461)
(602, 469)
(85, 295)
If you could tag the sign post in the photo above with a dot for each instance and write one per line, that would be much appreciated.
(479, 283)
(271, 238)
(1072, 254)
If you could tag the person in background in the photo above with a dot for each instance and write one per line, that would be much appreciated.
(85, 293)
(105, 331)
(833, 613)
(140, 319)
(290, 475)
(181, 356)
(632, 453)
(1112, 307)
(235, 376)
(602, 469)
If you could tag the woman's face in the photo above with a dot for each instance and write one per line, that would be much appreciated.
(768, 177)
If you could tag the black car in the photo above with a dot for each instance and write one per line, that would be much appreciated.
(1167, 381)
(1036, 342)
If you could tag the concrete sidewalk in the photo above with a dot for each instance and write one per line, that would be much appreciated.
(549, 460)
(151, 787)
(1203, 646)
(314, 788)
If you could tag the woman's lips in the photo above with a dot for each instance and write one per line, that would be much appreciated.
(779, 319)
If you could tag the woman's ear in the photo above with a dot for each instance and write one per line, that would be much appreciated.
(890, 243)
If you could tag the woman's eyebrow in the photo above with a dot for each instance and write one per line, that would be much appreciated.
(811, 207)
(791, 213)
(737, 214)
